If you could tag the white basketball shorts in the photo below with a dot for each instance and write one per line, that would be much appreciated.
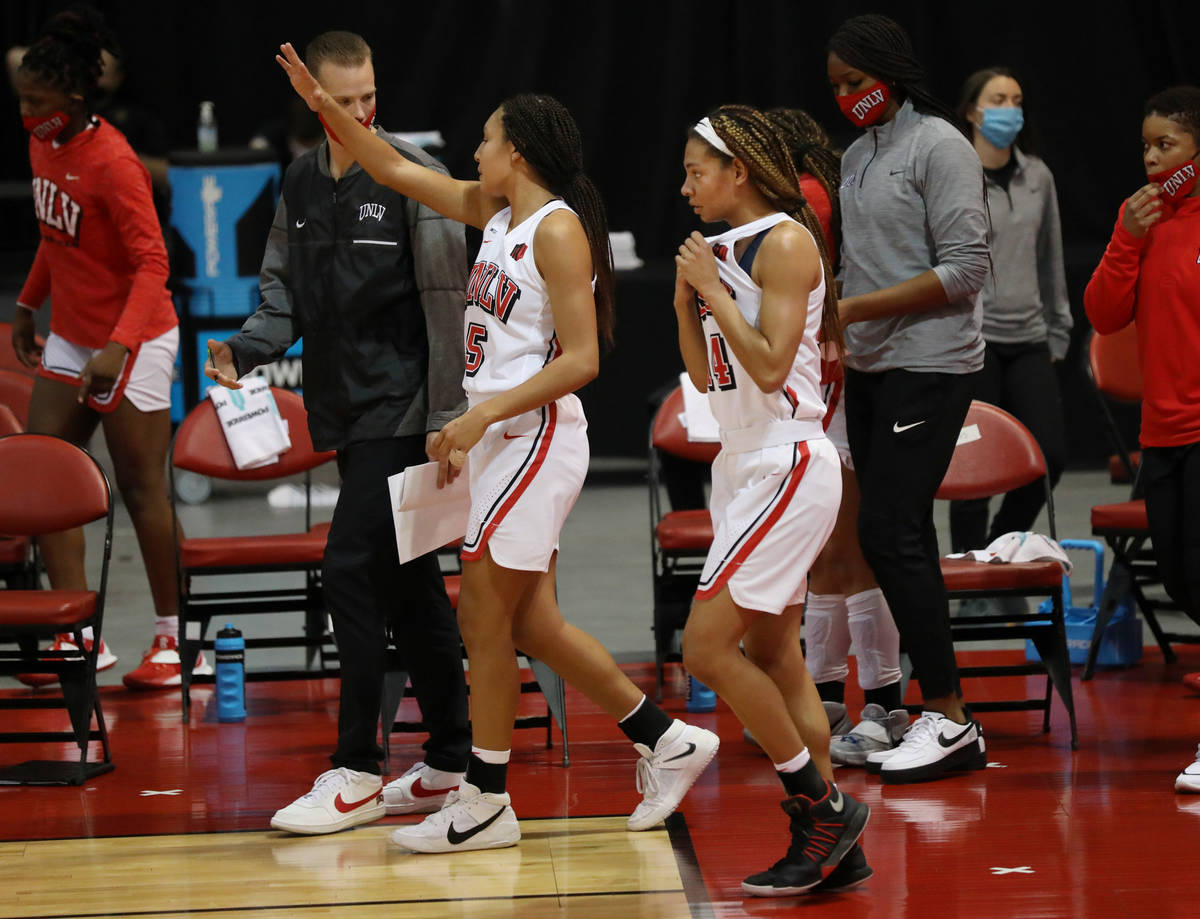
(525, 474)
(145, 379)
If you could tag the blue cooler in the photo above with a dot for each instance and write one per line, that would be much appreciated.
(1121, 643)
(222, 207)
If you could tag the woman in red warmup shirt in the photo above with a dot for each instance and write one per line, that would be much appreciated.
(113, 332)
(1151, 273)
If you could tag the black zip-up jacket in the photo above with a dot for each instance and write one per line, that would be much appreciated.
(373, 282)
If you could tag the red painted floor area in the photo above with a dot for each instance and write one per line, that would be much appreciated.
(1043, 832)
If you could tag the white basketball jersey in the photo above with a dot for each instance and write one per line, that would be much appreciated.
(734, 397)
(508, 327)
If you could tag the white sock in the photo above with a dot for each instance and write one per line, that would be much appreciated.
(496, 757)
(436, 778)
(166, 625)
(796, 763)
(87, 634)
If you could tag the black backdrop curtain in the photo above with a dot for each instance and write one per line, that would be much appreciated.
(636, 74)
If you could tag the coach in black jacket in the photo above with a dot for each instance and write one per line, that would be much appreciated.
(373, 282)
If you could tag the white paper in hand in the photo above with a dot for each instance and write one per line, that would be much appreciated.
(427, 517)
(698, 418)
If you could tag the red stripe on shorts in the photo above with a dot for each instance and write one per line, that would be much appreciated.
(471, 555)
(758, 535)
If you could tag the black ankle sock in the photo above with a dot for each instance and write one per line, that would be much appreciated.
(487, 777)
(806, 781)
(833, 691)
(887, 696)
(647, 724)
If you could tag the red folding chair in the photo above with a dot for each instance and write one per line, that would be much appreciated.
(199, 446)
(8, 357)
(16, 389)
(995, 454)
(1116, 375)
(61, 487)
(18, 564)
(679, 540)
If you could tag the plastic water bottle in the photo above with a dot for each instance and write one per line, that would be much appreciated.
(206, 129)
(699, 697)
(231, 674)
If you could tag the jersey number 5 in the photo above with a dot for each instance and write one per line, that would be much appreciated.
(720, 375)
(476, 336)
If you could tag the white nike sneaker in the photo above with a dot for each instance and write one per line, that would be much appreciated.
(471, 819)
(933, 746)
(340, 799)
(665, 773)
(1188, 781)
(412, 794)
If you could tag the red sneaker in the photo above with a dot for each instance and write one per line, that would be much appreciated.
(65, 642)
(1192, 681)
(159, 668)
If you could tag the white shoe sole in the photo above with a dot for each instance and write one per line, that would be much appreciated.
(1188, 784)
(669, 806)
(508, 835)
(425, 806)
(961, 760)
(359, 817)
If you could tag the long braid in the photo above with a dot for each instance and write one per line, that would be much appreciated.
(878, 45)
(543, 131)
(813, 152)
(67, 55)
(753, 139)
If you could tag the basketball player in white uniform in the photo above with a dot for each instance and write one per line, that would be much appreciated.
(539, 294)
(750, 304)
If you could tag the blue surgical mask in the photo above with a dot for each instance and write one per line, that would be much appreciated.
(1002, 125)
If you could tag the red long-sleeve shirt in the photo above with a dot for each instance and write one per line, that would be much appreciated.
(1156, 280)
(102, 254)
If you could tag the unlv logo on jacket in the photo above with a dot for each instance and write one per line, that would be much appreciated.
(492, 290)
(56, 209)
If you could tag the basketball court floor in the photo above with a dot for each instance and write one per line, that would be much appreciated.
(180, 827)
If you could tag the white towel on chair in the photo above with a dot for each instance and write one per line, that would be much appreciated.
(1019, 547)
(254, 430)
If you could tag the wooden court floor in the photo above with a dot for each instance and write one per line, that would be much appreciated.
(180, 828)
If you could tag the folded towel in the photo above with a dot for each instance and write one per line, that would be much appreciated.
(254, 430)
(1019, 547)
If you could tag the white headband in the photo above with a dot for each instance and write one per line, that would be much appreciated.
(705, 129)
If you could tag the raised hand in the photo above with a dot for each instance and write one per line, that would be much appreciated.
(220, 366)
(1143, 209)
(696, 265)
(303, 82)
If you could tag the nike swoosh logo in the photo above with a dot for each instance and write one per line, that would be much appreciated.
(454, 837)
(71, 178)
(896, 172)
(301, 222)
(898, 428)
(950, 742)
(839, 805)
(420, 791)
(508, 436)
(346, 806)
(688, 752)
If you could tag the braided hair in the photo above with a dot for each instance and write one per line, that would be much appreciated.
(879, 46)
(544, 133)
(813, 152)
(67, 55)
(752, 138)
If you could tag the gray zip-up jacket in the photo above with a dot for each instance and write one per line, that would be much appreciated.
(912, 200)
(373, 281)
(1027, 300)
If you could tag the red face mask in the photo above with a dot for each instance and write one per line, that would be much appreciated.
(366, 123)
(45, 129)
(1176, 184)
(865, 108)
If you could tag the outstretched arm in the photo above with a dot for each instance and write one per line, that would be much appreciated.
(461, 201)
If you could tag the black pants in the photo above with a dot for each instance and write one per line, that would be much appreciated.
(1171, 476)
(902, 427)
(1021, 380)
(370, 594)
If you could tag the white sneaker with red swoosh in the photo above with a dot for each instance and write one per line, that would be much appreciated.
(471, 819)
(412, 792)
(340, 798)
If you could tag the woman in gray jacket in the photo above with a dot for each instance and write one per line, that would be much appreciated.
(914, 258)
(1026, 314)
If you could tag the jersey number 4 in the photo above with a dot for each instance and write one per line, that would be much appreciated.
(476, 336)
(720, 373)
